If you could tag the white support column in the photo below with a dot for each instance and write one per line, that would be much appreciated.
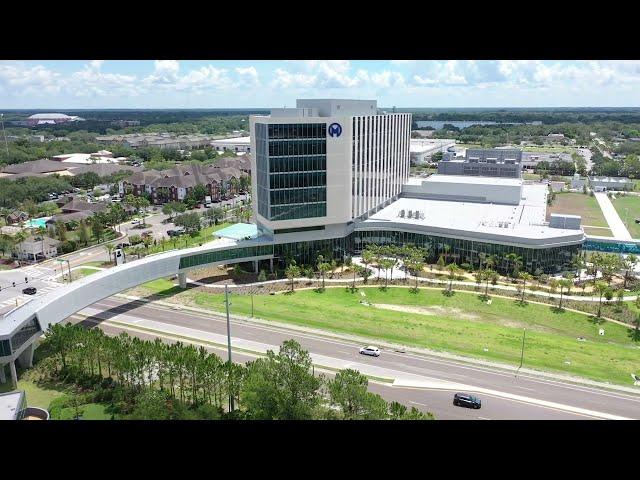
(3, 376)
(26, 357)
(14, 374)
(255, 266)
(182, 279)
(271, 265)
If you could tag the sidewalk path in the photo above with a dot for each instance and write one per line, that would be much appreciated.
(613, 219)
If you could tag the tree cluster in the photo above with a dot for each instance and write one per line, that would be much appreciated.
(153, 380)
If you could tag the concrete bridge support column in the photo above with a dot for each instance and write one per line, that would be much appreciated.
(14, 375)
(26, 357)
(3, 376)
(182, 279)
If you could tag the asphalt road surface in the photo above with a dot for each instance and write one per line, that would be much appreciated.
(508, 397)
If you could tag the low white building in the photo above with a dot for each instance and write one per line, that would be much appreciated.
(36, 248)
(238, 144)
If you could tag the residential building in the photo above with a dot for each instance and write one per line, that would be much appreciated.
(36, 248)
(81, 205)
(485, 163)
(16, 217)
(176, 183)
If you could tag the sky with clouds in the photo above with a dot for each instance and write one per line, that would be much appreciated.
(264, 84)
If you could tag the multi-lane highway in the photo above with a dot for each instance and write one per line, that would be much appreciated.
(422, 381)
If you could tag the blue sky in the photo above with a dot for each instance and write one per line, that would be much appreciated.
(260, 83)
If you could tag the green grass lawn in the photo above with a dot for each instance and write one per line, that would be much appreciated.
(461, 324)
(531, 176)
(579, 204)
(37, 396)
(83, 272)
(162, 286)
(89, 411)
(632, 203)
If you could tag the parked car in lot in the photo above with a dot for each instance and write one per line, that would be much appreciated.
(123, 245)
(175, 233)
(464, 400)
(135, 222)
(372, 351)
(29, 291)
(146, 234)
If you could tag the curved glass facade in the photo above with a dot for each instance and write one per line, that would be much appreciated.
(547, 260)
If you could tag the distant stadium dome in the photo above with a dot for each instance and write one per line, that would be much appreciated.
(51, 118)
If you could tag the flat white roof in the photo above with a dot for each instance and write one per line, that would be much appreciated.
(514, 182)
(238, 140)
(10, 404)
(523, 223)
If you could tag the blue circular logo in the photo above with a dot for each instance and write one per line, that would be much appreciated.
(334, 130)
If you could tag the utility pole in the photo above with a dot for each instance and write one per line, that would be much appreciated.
(226, 301)
(524, 333)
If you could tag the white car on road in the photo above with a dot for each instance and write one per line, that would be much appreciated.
(373, 351)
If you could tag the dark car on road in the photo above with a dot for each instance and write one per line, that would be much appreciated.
(464, 400)
(29, 291)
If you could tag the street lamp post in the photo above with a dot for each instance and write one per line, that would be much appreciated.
(226, 301)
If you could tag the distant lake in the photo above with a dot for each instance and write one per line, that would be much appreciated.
(438, 124)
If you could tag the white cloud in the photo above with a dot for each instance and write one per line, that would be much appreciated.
(248, 76)
(97, 64)
(168, 67)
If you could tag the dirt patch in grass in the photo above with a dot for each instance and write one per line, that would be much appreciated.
(457, 313)
(432, 310)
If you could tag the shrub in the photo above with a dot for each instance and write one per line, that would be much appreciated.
(67, 246)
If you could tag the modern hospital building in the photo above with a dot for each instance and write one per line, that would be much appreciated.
(331, 176)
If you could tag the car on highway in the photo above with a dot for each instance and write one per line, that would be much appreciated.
(464, 400)
(372, 351)
(29, 291)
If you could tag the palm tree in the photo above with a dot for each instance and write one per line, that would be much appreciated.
(109, 248)
(386, 264)
(323, 268)
(524, 276)
(454, 271)
(601, 288)
(564, 283)
(292, 272)
(629, 262)
(488, 275)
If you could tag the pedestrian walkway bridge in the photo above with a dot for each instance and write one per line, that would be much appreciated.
(20, 327)
(611, 245)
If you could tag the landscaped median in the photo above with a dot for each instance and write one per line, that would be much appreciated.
(464, 323)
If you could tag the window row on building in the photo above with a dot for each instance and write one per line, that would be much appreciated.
(298, 164)
(224, 255)
(285, 147)
(298, 195)
(293, 211)
(297, 130)
(298, 180)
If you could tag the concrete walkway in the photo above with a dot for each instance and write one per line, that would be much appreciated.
(618, 229)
